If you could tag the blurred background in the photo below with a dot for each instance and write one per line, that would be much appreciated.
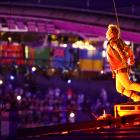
(53, 67)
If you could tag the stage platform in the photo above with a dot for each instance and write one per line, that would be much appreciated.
(124, 133)
(125, 124)
(125, 109)
(106, 128)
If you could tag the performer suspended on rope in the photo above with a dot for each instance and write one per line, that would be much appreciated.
(121, 58)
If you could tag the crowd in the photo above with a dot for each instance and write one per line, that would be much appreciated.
(53, 104)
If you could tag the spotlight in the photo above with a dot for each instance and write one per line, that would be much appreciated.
(1, 82)
(12, 77)
(33, 69)
(102, 72)
(18, 97)
(72, 115)
(69, 81)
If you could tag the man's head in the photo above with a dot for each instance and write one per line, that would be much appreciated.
(112, 32)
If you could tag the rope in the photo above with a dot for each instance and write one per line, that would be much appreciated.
(116, 13)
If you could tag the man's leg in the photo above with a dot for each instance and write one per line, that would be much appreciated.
(129, 93)
(124, 80)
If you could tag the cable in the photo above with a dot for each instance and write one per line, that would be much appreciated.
(116, 13)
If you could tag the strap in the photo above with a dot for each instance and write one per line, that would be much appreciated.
(110, 44)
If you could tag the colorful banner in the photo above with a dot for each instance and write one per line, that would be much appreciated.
(90, 54)
(91, 60)
(10, 53)
(30, 55)
(42, 56)
(91, 65)
(58, 59)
